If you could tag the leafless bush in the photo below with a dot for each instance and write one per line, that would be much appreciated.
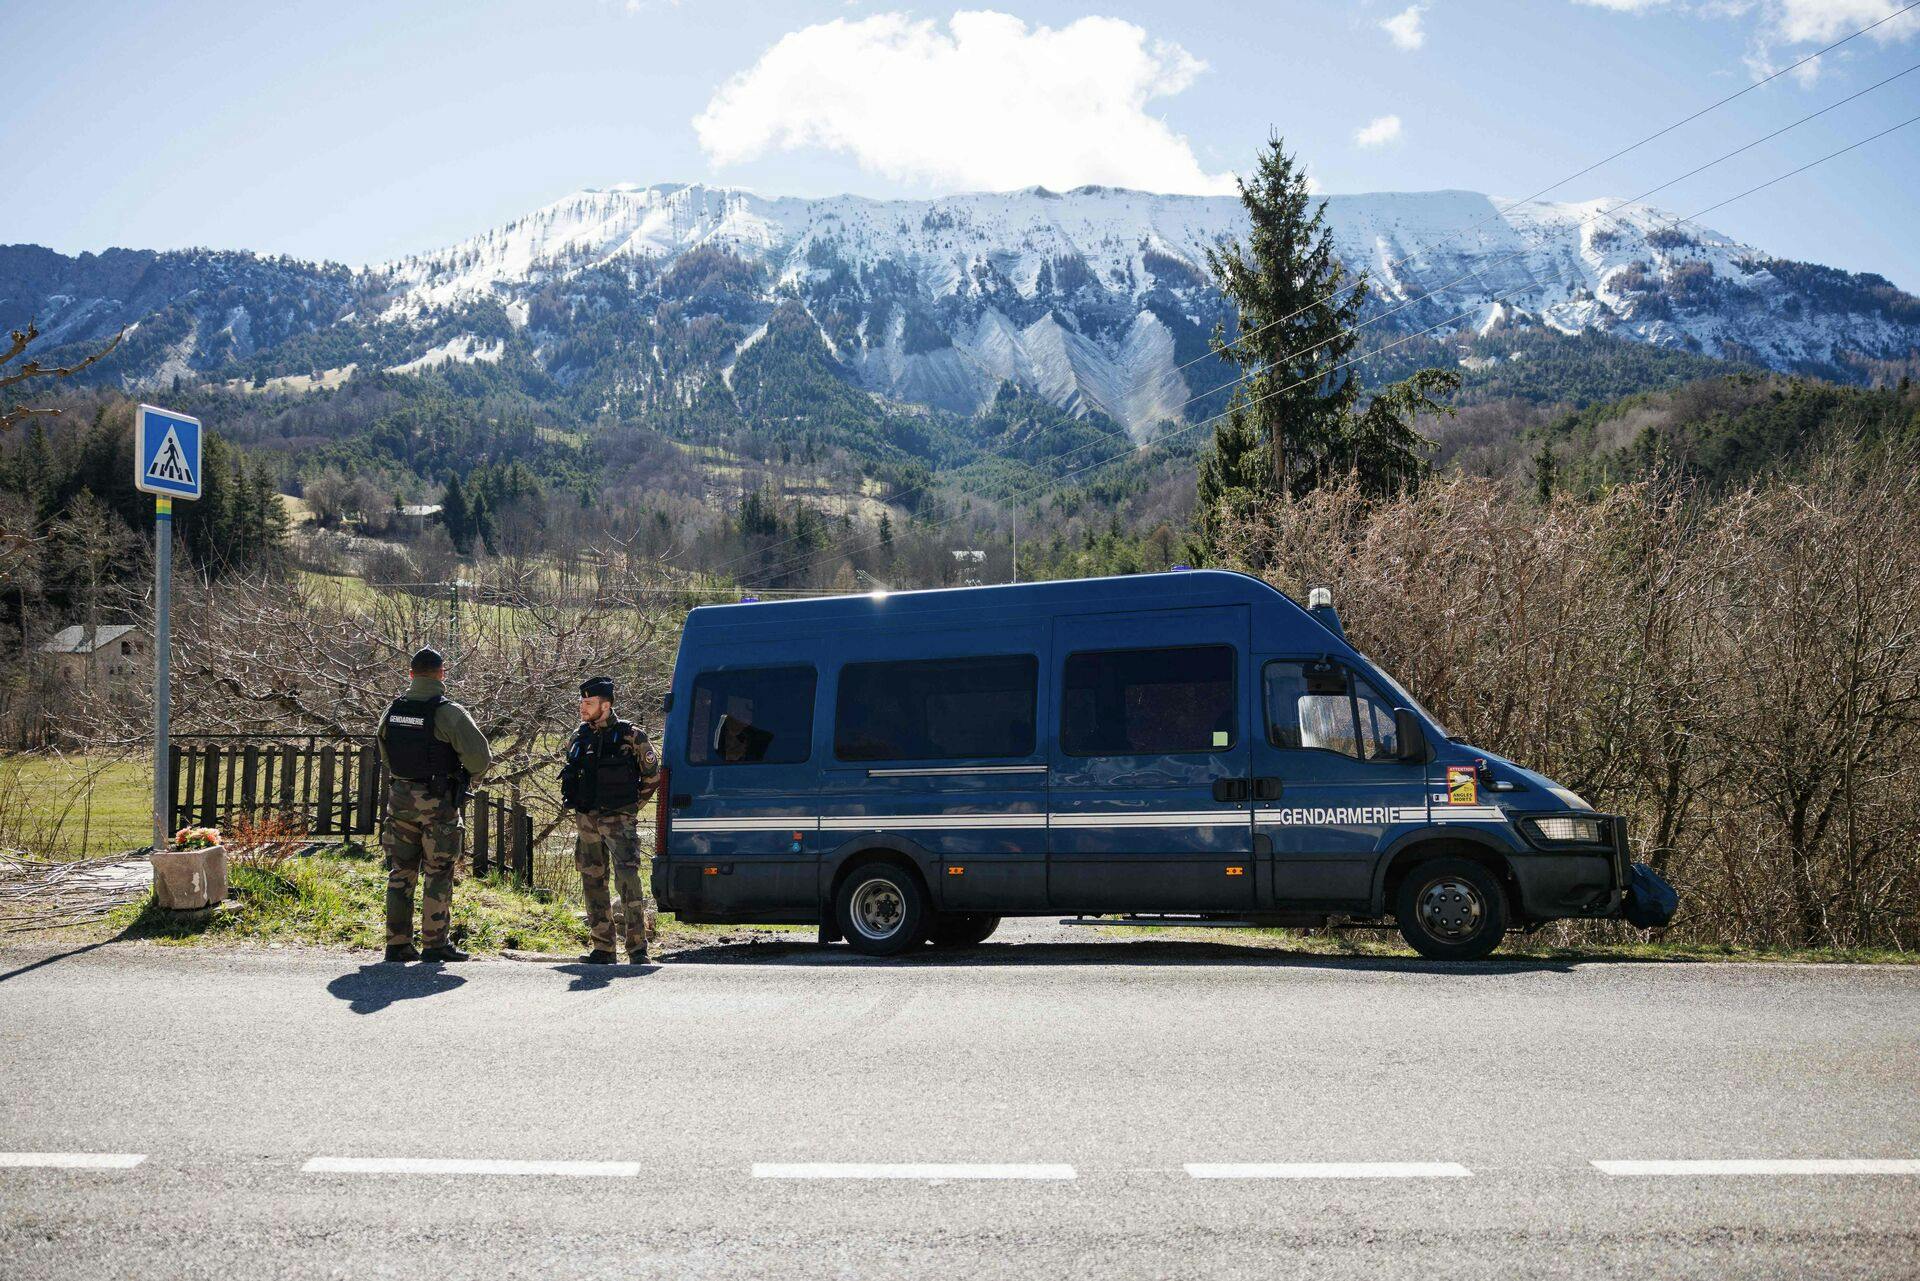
(1738, 674)
(263, 841)
(273, 656)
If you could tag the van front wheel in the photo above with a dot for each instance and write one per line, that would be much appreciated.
(1452, 909)
(882, 910)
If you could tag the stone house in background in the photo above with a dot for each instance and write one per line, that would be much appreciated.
(113, 654)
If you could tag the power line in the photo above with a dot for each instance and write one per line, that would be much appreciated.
(1456, 234)
(1057, 480)
(1518, 253)
(1652, 137)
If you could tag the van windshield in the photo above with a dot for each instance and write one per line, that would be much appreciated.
(1399, 691)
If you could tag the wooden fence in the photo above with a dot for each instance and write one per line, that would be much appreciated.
(324, 789)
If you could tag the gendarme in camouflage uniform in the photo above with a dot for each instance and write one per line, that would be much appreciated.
(433, 751)
(610, 769)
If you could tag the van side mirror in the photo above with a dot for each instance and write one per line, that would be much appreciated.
(1411, 736)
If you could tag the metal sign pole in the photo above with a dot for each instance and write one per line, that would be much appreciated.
(162, 652)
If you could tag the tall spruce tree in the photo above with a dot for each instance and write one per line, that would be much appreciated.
(455, 514)
(1298, 417)
(1297, 305)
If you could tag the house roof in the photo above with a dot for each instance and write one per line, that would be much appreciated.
(74, 640)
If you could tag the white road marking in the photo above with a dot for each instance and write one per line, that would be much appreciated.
(839, 1170)
(1332, 1170)
(1618, 1168)
(453, 1165)
(70, 1160)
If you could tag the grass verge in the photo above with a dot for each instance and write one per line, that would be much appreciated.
(338, 900)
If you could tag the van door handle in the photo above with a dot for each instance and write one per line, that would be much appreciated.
(1268, 789)
(680, 800)
(1232, 789)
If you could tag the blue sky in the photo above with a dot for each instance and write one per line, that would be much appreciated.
(360, 130)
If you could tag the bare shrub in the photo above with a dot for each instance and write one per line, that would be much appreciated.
(1739, 675)
(264, 841)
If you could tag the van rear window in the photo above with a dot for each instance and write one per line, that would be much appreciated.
(752, 716)
(943, 709)
(1131, 702)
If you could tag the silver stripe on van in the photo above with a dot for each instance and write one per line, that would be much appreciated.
(777, 823)
(927, 822)
(1175, 818)
(1031, 821)
(936, 771)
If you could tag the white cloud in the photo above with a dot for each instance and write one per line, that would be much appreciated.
(1378, 132)
(1784, 31)
(1824, 21)
(985, 103)
(1405, 28)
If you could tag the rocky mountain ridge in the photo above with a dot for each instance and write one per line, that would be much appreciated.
(1093, 299)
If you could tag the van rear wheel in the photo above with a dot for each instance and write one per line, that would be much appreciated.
(963, 929)
(882, 910)
(1451, 909)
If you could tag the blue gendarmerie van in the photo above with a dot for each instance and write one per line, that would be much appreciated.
(1190, 747)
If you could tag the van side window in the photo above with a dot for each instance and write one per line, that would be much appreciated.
(751, 716)
(936, 710)
(1325, 706)
(1127, 702)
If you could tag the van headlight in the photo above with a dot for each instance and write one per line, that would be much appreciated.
(1565, 829)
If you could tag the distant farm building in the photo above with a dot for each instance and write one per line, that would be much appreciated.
(112, 652)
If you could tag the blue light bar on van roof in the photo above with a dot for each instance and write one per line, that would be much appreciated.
(1180, 569)
(749, 600)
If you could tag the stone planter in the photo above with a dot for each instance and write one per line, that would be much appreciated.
(188, 880)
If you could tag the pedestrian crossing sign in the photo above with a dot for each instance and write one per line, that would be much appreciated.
(166, 453)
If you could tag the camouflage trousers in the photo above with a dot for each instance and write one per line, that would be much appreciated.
(609, 843)
(423, 830)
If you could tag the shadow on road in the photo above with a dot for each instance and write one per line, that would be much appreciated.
(376, 986)
(1122, 953)
(593, 978)
(49, 960)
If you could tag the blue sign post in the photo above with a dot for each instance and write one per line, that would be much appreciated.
(166, 464)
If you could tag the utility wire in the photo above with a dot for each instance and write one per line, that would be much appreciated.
(1056, 481)
(1509, 208)
(1454, 235)
(790, 565)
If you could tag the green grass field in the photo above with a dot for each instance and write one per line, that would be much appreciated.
(75, 806)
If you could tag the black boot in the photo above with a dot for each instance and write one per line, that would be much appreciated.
(598, 957)
(443, 952)
(402, 952)
(639, 957)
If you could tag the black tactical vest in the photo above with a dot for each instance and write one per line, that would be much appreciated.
(412, 750)
(600, 774)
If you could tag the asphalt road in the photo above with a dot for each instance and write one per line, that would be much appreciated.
(279, 1101)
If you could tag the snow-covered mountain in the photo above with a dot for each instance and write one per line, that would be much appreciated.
(1096, 298)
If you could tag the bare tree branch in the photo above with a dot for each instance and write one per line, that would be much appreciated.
(34, 369)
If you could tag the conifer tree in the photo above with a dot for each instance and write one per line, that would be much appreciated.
(1298, 417)
(455, 514)
(1297, 306)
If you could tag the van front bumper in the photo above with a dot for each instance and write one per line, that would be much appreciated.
(1574, 880)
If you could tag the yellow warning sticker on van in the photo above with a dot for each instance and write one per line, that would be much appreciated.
(1463, 785)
